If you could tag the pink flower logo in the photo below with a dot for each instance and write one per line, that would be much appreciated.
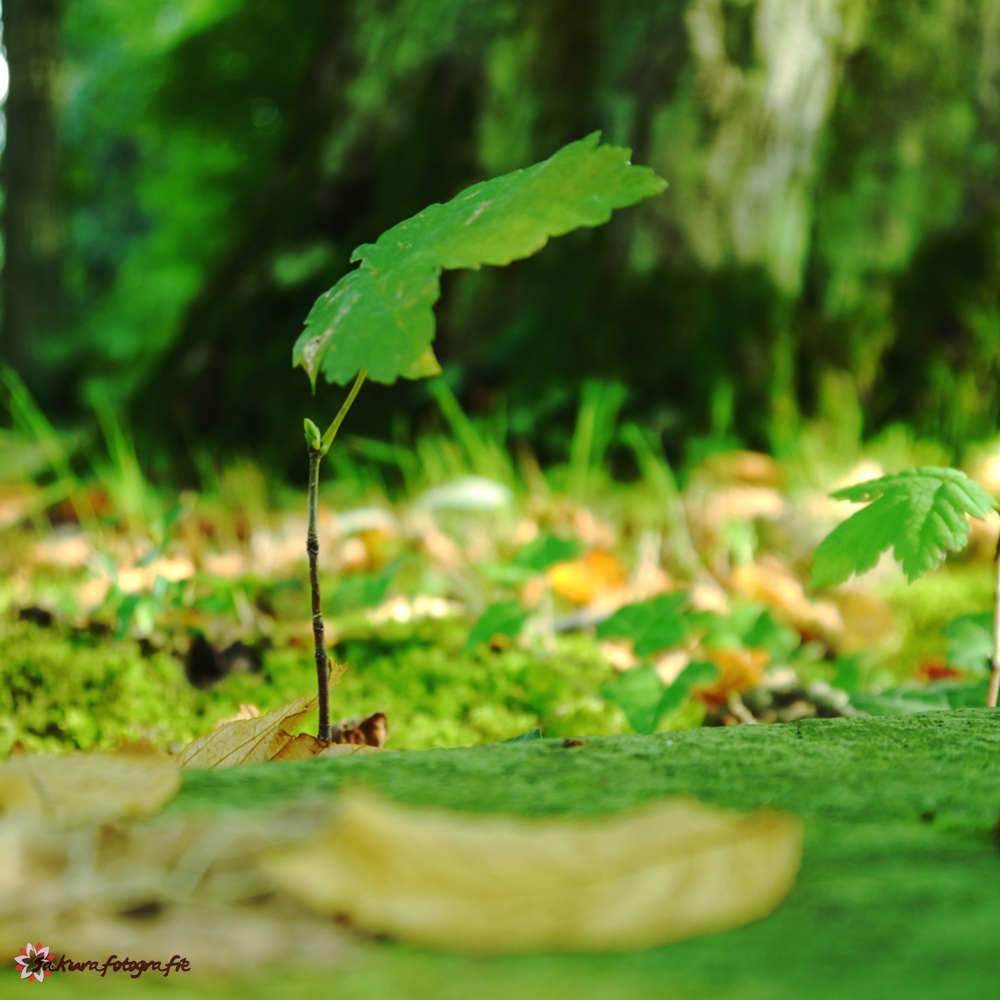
(34, 962)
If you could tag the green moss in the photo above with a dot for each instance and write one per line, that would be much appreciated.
(436, 696)
(899, 893)
(65, 691)
(923, 608)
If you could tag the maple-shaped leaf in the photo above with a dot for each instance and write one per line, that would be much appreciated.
(654, 624)
(254, 739)
(920, 514)
(380, 317)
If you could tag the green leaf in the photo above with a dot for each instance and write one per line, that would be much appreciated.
(970, 641)
(654, 624)
(637, 693)
(726, 631)
(848, 673)
(919, 513)
(698, 672)
(531, 734)
(498, 619)
(961, 694)
(506, 575)
(544, 551)
(898, 702)
(778, 640)
(644, 698)
(380, 317)
(362, 590)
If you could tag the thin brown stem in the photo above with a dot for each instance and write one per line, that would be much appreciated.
(319, 638)
(317, 449)
(991, 695)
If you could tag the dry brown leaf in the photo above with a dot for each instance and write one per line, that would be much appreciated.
(254, 740)
(740, 670)
(214, 938)
(247, 741)
(79, 789)
(301, 747)
(739, 503)
(750, 467)
(506, 886)
(349, 737)
(372, 731)
(778, 587)
(185, 883)
(869, 623)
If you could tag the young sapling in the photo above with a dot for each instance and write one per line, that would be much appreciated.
(921, 514)
(377, 322)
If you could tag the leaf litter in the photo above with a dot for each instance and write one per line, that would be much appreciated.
(76, 789)
(88, 867)
(256, 739)
(75, 869)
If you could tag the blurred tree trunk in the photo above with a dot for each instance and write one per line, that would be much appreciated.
(32, 274)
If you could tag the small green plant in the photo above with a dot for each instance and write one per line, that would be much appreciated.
(501, 619)
(378, 321)
(921, 515)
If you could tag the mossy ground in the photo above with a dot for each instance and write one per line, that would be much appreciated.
(899, 893)
(65, 690)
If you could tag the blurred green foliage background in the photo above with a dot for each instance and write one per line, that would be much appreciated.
(833, 209)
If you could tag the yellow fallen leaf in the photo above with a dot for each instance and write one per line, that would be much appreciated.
(581, 580)
(255, 740)
(80, 789)
(490, 885)
(247, 741)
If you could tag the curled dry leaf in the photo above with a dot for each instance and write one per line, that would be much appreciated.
(255, 740)
(501, 885)
(79, 789)
(372, 731)
(349, 737)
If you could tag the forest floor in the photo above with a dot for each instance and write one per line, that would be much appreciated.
(898, 894)
(469, 606)
(467, 592)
